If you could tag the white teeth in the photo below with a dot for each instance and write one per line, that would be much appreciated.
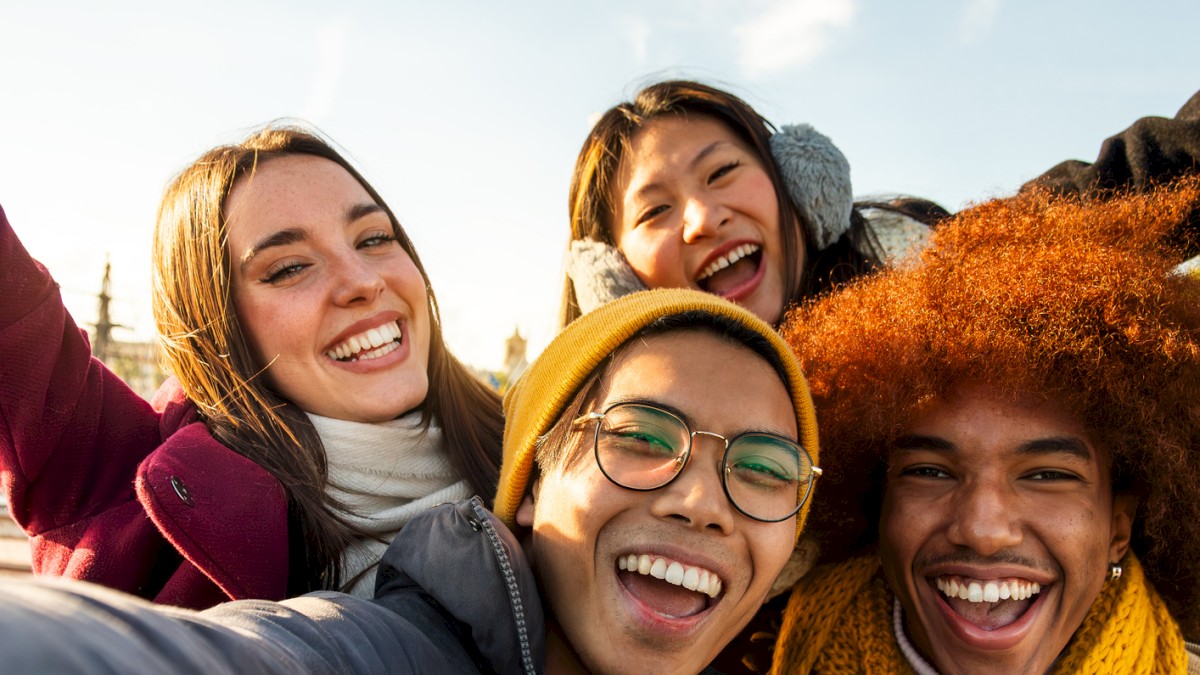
(727, 260)
(370, 344)
(692, 578)
(987, 591)
(659, 569)
(674, 574)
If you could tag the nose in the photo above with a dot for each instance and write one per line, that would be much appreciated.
(702, 217)
(355, 281)
(985, 518)
(696, 497)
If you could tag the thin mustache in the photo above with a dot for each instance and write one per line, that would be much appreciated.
(967, 557)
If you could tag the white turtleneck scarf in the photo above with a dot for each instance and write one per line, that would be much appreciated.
(384, 473)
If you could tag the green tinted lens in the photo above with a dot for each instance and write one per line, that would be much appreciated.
(638, 446)
(767, 476)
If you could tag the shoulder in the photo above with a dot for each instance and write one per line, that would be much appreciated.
(464, 561)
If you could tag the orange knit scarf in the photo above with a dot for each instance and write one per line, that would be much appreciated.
(839, 620)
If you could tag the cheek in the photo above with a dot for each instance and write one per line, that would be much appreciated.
(252, 317)
(777, 543)
(654, 256)
(269, 326)
(902, 529)
(405, 279)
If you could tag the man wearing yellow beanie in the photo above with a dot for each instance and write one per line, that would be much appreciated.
(658, 459)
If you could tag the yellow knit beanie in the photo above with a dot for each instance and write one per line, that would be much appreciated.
(537, 400)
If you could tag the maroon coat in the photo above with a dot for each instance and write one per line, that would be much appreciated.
(111, 489)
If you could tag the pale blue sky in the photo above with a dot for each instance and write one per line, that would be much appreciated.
(467, 115)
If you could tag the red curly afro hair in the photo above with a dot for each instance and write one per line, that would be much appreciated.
(1040, 296)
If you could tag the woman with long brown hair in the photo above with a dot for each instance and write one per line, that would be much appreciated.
(314, 407)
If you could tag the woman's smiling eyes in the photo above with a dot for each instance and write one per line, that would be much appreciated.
(651, 213)
(283, 271)
(715, 176)
(290, 267)
(377, 239)
(723, 170)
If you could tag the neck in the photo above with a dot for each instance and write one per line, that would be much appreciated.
(561, 658)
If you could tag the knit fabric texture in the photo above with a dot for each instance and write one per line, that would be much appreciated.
(839, 620)
(599, 274)
(384, 474)
(535, 402)
(817, 177)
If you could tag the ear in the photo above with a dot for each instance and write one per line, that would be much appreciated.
(1123, 512)
(528, 505)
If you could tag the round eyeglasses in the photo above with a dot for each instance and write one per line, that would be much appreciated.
(643, 447)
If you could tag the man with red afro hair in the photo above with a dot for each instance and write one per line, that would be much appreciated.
(1012, 449)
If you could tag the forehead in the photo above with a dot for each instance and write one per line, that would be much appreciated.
(982, 424)
(673, 133)
(290, 191)
(711, 380)
(667, 145)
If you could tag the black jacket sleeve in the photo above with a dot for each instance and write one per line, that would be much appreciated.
(1154, 150)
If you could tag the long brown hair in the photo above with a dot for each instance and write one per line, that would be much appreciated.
(592, 207)
(205, 348)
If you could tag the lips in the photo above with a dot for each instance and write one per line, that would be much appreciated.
(989, 604)
(734, 272)
(370, 344)
(670, 588)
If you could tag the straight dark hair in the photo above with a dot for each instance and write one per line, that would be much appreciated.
(592, 204)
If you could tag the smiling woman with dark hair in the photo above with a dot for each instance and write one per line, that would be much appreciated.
(687, 186)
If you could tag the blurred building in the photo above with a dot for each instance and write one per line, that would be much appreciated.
(134, 362)
(515, 363)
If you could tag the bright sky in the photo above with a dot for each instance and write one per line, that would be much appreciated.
(467, 114)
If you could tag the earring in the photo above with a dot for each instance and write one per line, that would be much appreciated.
(1114, 571)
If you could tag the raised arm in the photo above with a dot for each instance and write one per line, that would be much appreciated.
(71, 432)
(67, 626)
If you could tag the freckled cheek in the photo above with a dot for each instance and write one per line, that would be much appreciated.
(270, 331)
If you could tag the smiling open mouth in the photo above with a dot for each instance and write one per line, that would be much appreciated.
(990, 604)
(732, 270)
(669, 587)
(369, 344)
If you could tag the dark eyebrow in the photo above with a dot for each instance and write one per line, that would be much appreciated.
(281, 238)
(705, 152)
(1064, 444)
(295, 235)
(920, 442)
(362, 211)
(1041, 446)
